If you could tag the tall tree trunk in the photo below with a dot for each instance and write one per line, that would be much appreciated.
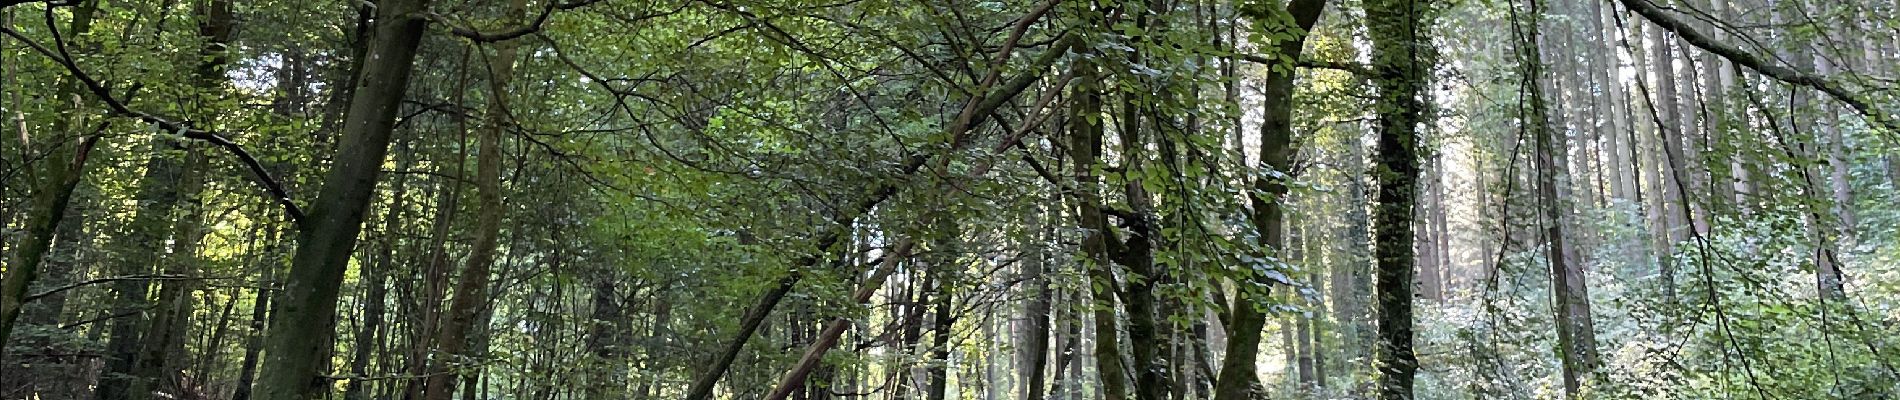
(1442, 238)
(937, 372)
(606, 337)
(59, 176)
(1570, 295)
(157, 367)
(1396, 29)
(1618, 122)
(471, 288)
(328, 234)
(260, 319)
(163, 340)
(1302, 322)
(1662, 61)
(976, 111)
(1238, 377)
(1649, 165)
(1085, 146)
(435, 268)
(828, 338)
(126, 376)
(1033, 355)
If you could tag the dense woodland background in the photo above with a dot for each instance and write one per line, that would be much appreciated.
(949, 199)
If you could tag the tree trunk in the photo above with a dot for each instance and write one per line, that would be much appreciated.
(1033, 356)
(1396, 29)
(260, 319)
(471, 288)
(308, 302)
(1238, 378)
(1085, 145)
(60, 176)
(163, 341)
(1570, 296)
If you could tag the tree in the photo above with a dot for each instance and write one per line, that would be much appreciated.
(1238, 379)
(1401, 63)
(327, 236)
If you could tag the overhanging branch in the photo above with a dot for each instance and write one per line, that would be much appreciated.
(1748, 60)
(519, 31)
(116, 106)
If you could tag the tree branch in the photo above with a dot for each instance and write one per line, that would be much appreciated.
(76, 285)
(519, 31)
(1345, 66)
(116, 106)
(1743, 58)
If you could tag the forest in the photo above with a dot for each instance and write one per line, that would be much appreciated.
(949, 199)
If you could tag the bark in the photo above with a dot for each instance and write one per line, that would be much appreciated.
(1396, 30)
(1649, 163)
(1033, 356)
(260, 319)
(607, 327)
(435, 268)
(158, 367)
(1570, 296)
(135, 254)
(125, 375)
(1840, 184)
(936, 373)
(59, 176)
(1137, 255)
(1665, 108)
(452, 356)
(63, 262)
(1689, 166)
(1618, 122)
(307, 306)
(163, 342)
(1358, 235)
(1442, 236)
(1238, 378)
(1085, 135)
(1430, 273)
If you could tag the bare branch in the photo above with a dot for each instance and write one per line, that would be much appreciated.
(76, 285)
(1743, 58)
(519, 31)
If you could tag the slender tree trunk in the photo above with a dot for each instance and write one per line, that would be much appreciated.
(828, 338)
(1085, 146)
(1570, 295)
(60, 175)
(328, 234)
(1617, 122)
(1033, 356)
(163, 340)
(260, 319)
(605, 338)
(157, 368)
(471, 288)
(937, 373)
(1238, 377)
(1663, 61)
